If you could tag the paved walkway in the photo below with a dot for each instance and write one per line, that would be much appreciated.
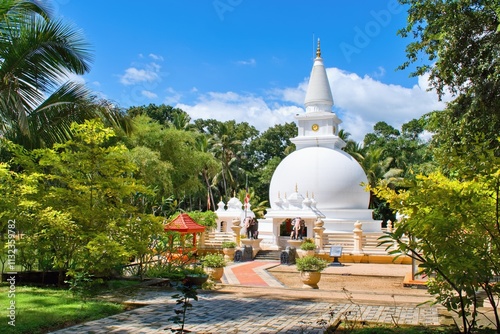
(248, 303)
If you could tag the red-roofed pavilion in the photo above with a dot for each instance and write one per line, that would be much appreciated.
(184, 224)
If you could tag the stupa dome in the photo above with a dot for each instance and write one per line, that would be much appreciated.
(332, 176)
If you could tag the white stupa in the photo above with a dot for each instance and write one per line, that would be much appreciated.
(330, 178)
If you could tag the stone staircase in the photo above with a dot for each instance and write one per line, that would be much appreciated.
(370, 243)
(268, 255)
(338, 239)
(215, 239)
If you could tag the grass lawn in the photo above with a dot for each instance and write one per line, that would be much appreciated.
(39, 310)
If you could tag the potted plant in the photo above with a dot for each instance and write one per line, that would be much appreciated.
(310, 268)
(229, 244)
(214, 265)
(308, 245)
(195, 275)
(229, 248)
(307, 248)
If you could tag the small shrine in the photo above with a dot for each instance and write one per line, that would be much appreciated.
(185, 225)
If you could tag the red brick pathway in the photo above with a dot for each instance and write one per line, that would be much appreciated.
(251, 273)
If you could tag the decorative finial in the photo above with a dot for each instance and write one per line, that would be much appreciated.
(279, 194)
(318, 50)
(296, 188)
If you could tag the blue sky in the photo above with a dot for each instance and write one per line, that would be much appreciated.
(249, 60)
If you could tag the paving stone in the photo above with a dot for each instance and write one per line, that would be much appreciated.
(223, 313)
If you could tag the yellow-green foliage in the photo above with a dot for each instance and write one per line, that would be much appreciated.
(452, 227)
(75, 203)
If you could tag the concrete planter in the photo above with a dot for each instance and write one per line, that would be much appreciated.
(302, 253)
(215, 274)
(294, 243)
(229, 254)
(310, 279)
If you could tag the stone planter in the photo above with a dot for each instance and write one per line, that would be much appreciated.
(215, 274)
(310, 279)
(294, 243)
(229, 254)
(302, 253)
(197, 280)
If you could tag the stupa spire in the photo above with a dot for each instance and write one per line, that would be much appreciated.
(319, 125)
(318, 95)
(318, 50)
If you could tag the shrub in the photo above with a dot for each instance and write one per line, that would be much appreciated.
(229, 244)
(213, 260)
(194, 271)
(172, 273)
(308, 245)
(311, 263)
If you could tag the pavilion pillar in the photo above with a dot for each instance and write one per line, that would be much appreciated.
(202, 239)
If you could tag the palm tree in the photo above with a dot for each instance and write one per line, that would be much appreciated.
(226, 150)
(377, 168)
(352, 148)
(203, 144)
(180, 121)
(38, 101)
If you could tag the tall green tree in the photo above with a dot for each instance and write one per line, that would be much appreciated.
(272, 143)
(203, 144)
(229, 144)
(177, 154)
(163, 114)
(403, 150)
(458, 44)
(264, 153)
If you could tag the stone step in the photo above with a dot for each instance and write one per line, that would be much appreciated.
(268, 255)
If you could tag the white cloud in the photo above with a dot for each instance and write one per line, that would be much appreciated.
(133, 75)
(149, 94)
(295, 95)
(173, 97)
(249, 62)
(242, 108)
(156, 57)
(379, 73)
(359, 102)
